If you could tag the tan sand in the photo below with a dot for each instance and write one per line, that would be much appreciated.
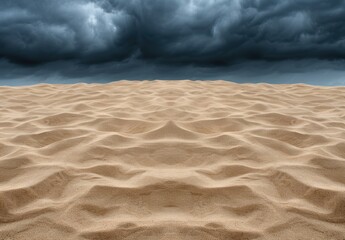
(166, 160)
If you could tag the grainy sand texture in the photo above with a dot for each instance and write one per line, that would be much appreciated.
(172, 160)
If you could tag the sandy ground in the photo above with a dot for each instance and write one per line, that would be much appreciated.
(172, 160)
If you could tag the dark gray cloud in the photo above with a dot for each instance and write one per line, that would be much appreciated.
(316, 72)
(204, 32)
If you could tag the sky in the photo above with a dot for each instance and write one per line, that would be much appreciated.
(68, 41)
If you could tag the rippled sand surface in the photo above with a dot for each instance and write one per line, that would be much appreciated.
(172, 160)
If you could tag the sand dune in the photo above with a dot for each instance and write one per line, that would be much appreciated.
(172, 160)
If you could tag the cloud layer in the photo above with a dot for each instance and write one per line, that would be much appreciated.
(203, 32)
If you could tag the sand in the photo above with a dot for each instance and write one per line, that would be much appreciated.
(166, 160)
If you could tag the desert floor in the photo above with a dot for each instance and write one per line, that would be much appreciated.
(172, 160)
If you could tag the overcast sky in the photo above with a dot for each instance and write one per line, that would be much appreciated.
(240, 40)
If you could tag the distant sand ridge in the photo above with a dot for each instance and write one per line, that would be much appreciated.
(172, 160)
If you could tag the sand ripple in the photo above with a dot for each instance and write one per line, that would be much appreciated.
(172, 160)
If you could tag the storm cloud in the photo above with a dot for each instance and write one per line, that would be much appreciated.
(211, 32)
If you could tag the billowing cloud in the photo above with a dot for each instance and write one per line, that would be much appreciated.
(205, 32)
